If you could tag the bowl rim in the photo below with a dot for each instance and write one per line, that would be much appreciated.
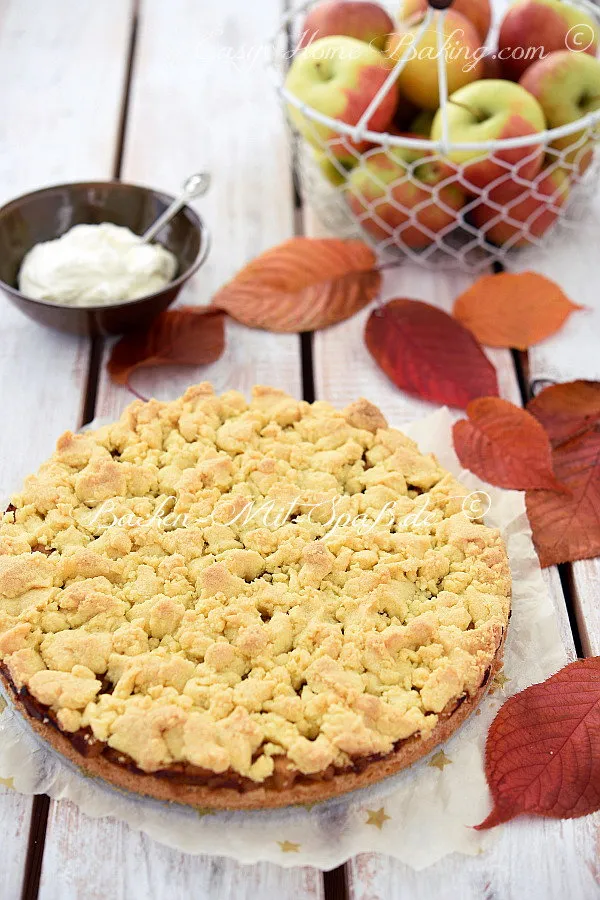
(198, 221)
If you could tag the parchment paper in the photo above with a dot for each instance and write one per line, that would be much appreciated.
(429, 808)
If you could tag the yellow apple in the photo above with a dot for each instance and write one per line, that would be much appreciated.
(462, 57)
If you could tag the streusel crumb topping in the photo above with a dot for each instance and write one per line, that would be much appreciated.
(217, 582)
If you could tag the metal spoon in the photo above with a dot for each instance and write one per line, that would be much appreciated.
(194, 186)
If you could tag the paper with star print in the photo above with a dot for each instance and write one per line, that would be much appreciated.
(417, 816)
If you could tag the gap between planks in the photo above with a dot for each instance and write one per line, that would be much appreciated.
(41, 802)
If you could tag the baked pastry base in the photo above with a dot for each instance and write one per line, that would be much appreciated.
(173, 786)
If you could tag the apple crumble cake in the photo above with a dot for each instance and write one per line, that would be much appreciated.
(234, 604)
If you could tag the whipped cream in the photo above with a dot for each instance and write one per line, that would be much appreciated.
(92, 265)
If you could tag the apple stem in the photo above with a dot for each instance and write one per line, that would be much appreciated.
(476, 115)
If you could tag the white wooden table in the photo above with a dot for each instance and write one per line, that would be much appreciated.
(148, 91)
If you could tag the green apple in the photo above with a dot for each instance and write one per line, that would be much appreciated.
(418, 80)
(336, 171)
(397, 195)
(567, 87)
(492, 110)
(338, 76)
(478, 12)
(515, 215)
(365, 21)
(531, 29)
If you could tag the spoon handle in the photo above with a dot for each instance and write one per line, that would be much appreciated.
(194, 186)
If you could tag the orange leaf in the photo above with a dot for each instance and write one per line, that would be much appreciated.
(302, 285)
(566, 410)
(187, 336)
(542, 754)
(505, 446)
(568, 528)
(513, 310)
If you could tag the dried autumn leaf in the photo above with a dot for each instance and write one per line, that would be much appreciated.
(513, 309)
(505, 445)
(302, 285)
(187, 336)
(567, 528)
(428, 353)
(566, 410)
(542, 753)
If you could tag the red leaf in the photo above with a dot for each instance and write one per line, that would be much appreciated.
(566, 410)
(513, 309)
(542, 753)
(187, 336)
(568, 528)
(505, 445)
(302, 285)
(428, 353)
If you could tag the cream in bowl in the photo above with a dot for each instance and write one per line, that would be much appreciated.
(46, 216)
(95, 264)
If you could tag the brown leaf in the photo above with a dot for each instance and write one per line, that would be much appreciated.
(567, 528)
(505, 446)
(542, 752)
(428, 353)
(302, 285)
(513, 310)
(566, 410)
(187, 336)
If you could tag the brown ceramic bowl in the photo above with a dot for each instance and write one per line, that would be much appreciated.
(48, 213)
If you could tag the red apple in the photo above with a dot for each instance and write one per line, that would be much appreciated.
(478, 12)
(396, 194)
(491, 66)
(531, 29)
(515, 215)
(338, 76)
(418, 80)
(567, 87)
(365, 21)
(492, 110)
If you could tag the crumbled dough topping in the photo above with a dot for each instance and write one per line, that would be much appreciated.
(220, 583)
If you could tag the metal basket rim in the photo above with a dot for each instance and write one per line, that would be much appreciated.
(387, 139)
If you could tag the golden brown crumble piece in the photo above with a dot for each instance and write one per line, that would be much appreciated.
(224, 584)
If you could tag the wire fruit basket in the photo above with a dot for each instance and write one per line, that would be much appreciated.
(410, 186)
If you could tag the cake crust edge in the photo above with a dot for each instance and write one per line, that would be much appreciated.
(162, 787)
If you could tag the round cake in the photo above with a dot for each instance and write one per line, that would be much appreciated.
(242, 605)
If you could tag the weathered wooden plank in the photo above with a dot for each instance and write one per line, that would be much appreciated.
(59, 121)
(191, 108)
(15, 818)
(570, 259)
(530, 860)
(99, 858)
